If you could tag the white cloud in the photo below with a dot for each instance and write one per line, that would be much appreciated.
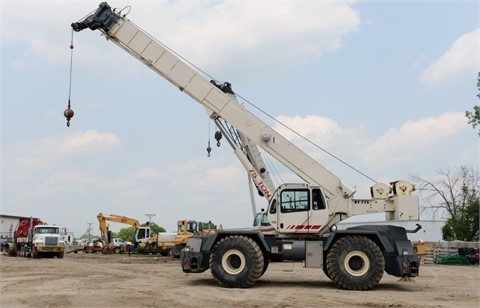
(324, 132)
(460, 60)
(47, 52)
(401, 144)
(31, 155)
(203, 176)
(89, 141)
(421, 147)
(148, 173)
(261, 34)
(208, 33)
(414, 139)
(68, 182)
(211, 179)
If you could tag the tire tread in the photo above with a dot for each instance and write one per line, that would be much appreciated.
(350, 243)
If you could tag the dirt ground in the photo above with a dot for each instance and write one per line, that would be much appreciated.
(96, 280)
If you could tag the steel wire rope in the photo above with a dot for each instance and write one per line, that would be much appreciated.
(68, 113)
(266, 113)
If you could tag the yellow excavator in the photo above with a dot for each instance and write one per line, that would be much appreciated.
(145, 241)
(141, 233)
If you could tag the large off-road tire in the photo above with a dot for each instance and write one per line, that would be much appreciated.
(60, 255)
(35, 254)
(325, 271)
(236, 262)
(355, 263)
(266, 262)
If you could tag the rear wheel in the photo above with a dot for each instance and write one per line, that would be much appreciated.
(355, 263)
(326, 272)
(22, 251)
(35, 253)
(236, 262)
(266, 262)
(12, 251)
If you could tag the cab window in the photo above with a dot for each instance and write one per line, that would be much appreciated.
(273, 206)
(141, 233)
(317, 200)
(294, 201)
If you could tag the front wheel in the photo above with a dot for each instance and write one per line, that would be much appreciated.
(355, 263)
(236, 262)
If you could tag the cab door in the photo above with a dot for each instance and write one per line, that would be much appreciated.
(293, 210)
(142, 234)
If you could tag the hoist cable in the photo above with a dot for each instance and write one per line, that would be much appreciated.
(68, 113)
(71, 70)
(271, 117)
(308, 140)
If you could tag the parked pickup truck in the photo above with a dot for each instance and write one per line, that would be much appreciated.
(116, 245)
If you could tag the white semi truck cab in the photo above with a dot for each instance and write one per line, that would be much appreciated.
(34, 238)
(47, 241)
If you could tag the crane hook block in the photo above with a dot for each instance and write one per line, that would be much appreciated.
(218, 137)
(68, 113)
(209, 149)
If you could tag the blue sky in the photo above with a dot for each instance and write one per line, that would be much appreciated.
(382, 85)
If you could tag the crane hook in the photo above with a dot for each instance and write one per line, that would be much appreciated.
(68, 113)
(209, 149)
(218, 137)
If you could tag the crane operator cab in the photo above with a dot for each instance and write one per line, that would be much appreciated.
(298, 208)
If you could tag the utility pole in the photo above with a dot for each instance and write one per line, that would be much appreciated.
(89, 229)
(150, 218)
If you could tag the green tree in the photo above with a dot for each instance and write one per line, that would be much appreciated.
(209, 225)
(457, 196)
(126, 234)
(465, 225)
(155, 228)
(86, 235)
(474, 117)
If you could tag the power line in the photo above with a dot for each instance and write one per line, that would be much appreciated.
(89, 229)
(150, 218)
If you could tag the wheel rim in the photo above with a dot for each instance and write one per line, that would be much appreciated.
(233, 262)
(356, 263)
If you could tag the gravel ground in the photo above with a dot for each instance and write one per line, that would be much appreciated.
(97, 280)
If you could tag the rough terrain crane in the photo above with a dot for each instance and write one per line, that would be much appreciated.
(303, 215)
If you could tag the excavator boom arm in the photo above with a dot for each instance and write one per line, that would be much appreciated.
(102, 223)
